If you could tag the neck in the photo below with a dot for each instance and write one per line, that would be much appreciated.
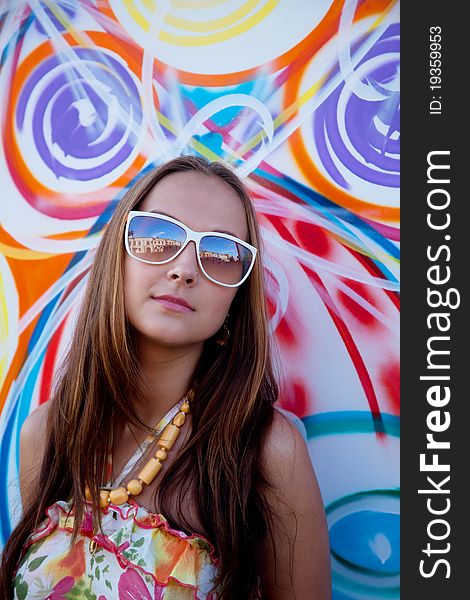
(167, 373)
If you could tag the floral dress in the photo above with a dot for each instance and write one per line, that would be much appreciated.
(138, 556)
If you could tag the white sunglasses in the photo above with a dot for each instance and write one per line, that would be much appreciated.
(156, 239)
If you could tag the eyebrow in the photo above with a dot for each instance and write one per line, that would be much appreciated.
(161, 212)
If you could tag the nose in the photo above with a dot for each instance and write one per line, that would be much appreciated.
(185, 266)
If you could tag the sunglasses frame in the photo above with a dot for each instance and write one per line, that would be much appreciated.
(191, 235)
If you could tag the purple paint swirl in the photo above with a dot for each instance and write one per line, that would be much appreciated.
(372, 127)
(91, 109)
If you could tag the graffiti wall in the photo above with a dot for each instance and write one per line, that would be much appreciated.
(301, 97)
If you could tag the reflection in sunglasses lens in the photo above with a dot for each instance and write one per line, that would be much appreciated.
(154, 239)
(224, 260)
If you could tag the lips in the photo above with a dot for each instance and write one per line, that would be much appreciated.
(175, 300)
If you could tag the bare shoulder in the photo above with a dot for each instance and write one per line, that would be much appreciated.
(299, 520)
(283, 429)
(284, 446)
(32, 446)
(34, 425)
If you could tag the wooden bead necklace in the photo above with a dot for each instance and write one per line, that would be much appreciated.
(165, 442)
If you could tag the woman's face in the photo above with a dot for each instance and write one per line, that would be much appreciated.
(203, 203)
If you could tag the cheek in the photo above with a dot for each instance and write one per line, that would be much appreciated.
(139, 278)
(137, 283)
(129, 293)
(219, 304)
(129, 281)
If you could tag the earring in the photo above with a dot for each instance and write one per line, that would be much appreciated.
(223, 340)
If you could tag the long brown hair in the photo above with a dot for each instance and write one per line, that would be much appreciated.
(231, 411)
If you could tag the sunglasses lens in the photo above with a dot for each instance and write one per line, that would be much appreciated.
(224, 260)
(154, 239)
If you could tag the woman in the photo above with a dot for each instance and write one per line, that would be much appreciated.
(160, 467)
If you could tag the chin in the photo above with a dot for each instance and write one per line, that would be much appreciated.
(173, 338)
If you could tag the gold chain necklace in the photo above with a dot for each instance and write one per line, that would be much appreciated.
(165, 442)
